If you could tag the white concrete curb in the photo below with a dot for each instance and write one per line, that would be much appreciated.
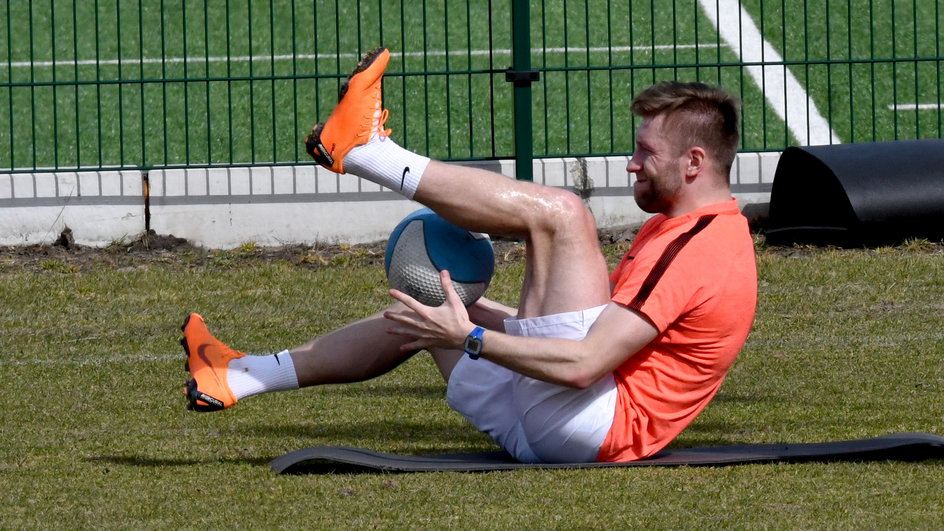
(279, 205)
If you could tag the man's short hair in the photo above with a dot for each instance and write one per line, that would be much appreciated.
(696, 114)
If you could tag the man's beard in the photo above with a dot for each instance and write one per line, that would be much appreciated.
(659, 194)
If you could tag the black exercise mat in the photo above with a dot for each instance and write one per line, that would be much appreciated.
(340, 459)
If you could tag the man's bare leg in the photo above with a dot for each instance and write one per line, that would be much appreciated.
(359, 351)
(565, 269)
(222, 376)
(363, 349)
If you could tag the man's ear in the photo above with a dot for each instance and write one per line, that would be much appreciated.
(696, 162)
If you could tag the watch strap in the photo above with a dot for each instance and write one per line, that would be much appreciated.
(473, 343)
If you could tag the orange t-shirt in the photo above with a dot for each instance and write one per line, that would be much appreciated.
(695, 278)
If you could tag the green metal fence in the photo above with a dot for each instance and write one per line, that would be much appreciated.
(92, 84)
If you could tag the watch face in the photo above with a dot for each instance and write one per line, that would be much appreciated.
(473, 344)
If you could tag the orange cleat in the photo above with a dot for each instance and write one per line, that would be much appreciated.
(358, 116)
(207, 359)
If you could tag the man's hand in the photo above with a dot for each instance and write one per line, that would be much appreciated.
(444, 326)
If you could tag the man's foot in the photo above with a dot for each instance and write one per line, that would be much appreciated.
(207, 360)
(358, 116)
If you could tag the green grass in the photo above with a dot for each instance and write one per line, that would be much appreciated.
(854, 60)
(846, 344)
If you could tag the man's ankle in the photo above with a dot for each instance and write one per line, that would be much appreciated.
(253, 375)
(384, 162)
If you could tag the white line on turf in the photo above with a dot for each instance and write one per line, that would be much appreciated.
(915, 106)
(104, 360)
(299, 57)
(782, 90)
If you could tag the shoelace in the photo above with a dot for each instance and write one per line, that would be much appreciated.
(380, 122)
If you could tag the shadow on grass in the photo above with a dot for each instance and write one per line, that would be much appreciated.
(395, 390)
(157, 462)
(400, 437)
(741, 398)
(710, 433)
(435, 444)
(682, 442)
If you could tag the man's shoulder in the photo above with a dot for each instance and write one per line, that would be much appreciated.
(726, 238)
(726, 226)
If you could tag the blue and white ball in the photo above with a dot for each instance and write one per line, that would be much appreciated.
(423, 244)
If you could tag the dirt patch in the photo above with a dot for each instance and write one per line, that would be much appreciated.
(167, 250)
(65, 256)
(152, 241)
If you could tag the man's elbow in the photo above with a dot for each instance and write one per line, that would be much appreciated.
(582, 377)
(585, 366)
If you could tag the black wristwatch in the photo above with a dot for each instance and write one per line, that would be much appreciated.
(473, 343)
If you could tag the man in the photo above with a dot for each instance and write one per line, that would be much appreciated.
(590, 366)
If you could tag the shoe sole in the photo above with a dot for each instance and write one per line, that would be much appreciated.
(183, 343)
(313, 140)
(362, 65)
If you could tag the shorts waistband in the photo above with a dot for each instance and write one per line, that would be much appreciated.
(532, 326)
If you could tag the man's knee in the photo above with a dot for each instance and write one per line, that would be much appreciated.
(565, 214)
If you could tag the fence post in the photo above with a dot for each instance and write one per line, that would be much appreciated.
(522, 76)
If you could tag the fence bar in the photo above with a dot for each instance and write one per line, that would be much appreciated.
(520, 75)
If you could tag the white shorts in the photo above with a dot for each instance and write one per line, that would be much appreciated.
(536, 421)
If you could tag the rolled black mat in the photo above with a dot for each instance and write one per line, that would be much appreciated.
(345, 460)
(878, 193)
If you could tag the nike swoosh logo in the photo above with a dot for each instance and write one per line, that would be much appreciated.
(403, 177)
(201, 352)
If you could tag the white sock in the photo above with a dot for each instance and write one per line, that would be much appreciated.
(384, 162)
(253, 375)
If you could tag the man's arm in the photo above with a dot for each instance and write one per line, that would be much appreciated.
(615, 336)
(490, 314)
